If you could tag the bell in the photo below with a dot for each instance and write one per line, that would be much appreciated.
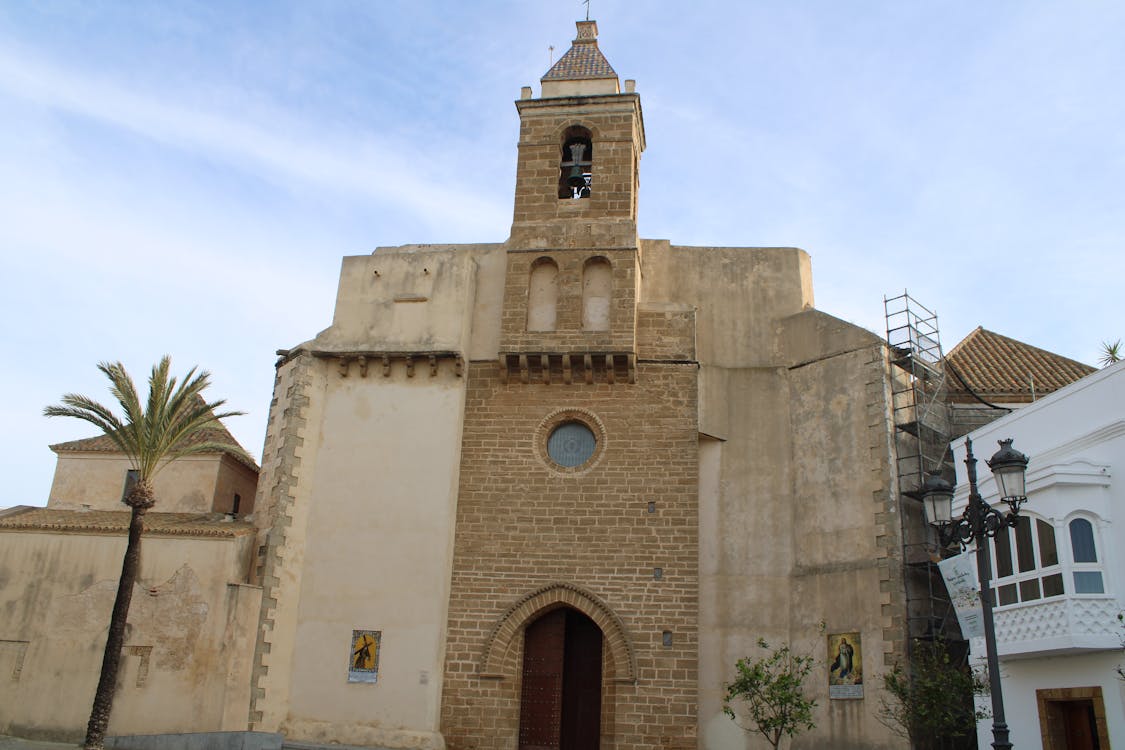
(576, 179)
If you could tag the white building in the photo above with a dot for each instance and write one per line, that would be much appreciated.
(1059, 575)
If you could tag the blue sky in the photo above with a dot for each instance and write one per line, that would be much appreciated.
(185, 177)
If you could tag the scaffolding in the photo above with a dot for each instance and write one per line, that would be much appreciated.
(922, 431)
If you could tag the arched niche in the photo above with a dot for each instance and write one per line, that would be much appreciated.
(543, 295)
(597, 290)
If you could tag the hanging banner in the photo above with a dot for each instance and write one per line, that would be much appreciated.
(961, 582)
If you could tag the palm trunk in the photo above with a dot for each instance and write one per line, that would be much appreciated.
(111, 661)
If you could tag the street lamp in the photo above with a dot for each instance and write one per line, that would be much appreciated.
(978, 523)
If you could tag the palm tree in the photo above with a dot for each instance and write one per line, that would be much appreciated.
(169, 426)
(1111, 353)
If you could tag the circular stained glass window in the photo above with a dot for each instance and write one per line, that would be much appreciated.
(571, 444)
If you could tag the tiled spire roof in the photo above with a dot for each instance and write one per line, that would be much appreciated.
(999, 368)
(583, 59)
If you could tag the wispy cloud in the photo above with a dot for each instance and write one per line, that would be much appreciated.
(374, 169)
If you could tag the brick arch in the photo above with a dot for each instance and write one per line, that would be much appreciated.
(498, 658)
(575, 122)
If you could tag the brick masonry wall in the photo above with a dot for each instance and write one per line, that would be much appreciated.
(666, 335)
(569, 336)
(531, 537)
(614, 127)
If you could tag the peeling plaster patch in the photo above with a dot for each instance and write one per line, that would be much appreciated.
(145, 652)
(169, 616)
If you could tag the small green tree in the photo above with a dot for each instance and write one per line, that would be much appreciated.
(932, 704)
(771, 689)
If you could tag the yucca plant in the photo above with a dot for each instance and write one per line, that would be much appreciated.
(171, 424)
(1111, 353)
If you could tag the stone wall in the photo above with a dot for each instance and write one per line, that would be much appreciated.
(590, 539)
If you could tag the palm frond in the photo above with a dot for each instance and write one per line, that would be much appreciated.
(123, 389)
(168, 425)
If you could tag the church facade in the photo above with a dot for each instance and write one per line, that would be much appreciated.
(544, 493)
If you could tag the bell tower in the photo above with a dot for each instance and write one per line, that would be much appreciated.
(570, 294)
(579, 149)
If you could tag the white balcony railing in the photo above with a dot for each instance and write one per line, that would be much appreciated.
(1059, 625)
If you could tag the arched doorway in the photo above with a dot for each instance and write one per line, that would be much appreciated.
(561, 698)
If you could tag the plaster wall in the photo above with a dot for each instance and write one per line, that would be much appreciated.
(1021, 679)
(378, 548)
(188, 645)
(744, 556)
(846, 533)
(187, 485)
(234, 478)
(797, 519)
(361, 471)
(741, 293)
(584, 87)
(409, 298)
(488, 301)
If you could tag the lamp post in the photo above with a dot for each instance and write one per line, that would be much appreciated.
(978, 523)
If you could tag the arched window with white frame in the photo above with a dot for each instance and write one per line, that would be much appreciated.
(1087, 563)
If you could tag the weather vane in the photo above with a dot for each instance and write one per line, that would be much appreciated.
(587, 4)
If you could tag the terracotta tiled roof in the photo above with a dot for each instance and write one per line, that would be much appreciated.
(117, 522)
(999, 368)
(583, 59)
(216, 433)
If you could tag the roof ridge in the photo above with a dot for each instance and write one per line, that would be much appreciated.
(968, 337)
(1007, 368)
(1024, 344)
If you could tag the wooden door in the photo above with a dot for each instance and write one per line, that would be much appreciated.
(541, 701)
(582, 684)
(1081, 730)
(560, 704)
